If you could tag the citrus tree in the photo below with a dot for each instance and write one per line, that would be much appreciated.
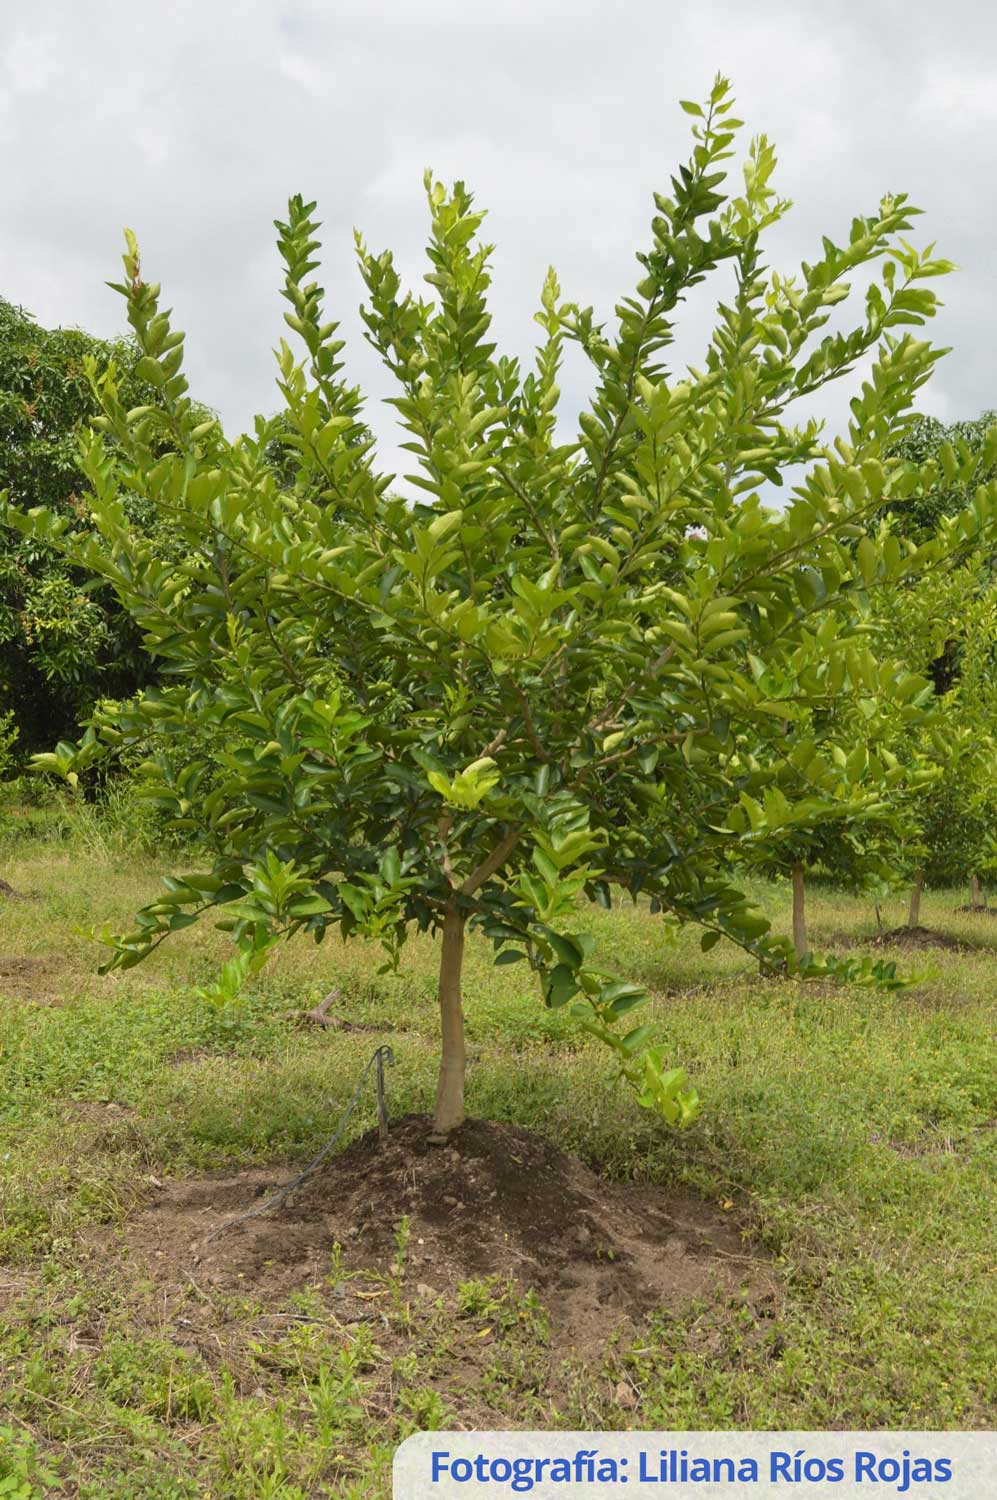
(534, 679)
(977, 701)
(928, 439)
(956, 822)
(838, 798)
(948, 819)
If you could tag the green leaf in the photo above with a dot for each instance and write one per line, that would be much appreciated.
(867, 555)
(510, 956)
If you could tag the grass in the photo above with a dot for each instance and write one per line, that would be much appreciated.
(851, 1136)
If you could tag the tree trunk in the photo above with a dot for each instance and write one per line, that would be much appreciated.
(799, 911)
(450, 1088)
(914, 914)
(975, 892)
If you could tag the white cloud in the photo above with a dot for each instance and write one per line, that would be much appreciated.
(194, 122)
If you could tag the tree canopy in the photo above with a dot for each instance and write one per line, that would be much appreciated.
(63, 642)
(919, 516)
(574, 663)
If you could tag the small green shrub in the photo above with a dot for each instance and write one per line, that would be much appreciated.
(23, 1476)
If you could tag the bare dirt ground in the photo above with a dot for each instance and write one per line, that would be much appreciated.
(34, 979)
(916, 937)
(498, 1201)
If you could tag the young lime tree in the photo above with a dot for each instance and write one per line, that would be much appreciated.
(947, 622)
(956, 822)
(928, 439)
(536, 679)
(838, 798)
(977, 703)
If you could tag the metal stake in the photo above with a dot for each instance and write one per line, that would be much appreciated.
(382, 1109)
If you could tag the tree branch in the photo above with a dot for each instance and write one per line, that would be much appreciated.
(492, 864)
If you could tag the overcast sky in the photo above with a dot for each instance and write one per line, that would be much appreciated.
(193, 122)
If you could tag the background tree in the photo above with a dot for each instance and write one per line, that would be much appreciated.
(957, 820)
(63, 642)
(539, 680)
(837, 798)
(947, 623)
(907, 745)
(925, 440)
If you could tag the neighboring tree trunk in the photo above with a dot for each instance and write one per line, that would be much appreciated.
(975, 892)
(914, 914)
(450, 1088)
(799, 911)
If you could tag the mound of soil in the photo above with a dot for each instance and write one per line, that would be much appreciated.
(27, 979)
(917, 937)
(497, 1200)
(13, 967)
(978, 911)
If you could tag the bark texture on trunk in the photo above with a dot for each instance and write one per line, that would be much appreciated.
(453, 1060)
(975, 892)
(799, 911)
(914, 914)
